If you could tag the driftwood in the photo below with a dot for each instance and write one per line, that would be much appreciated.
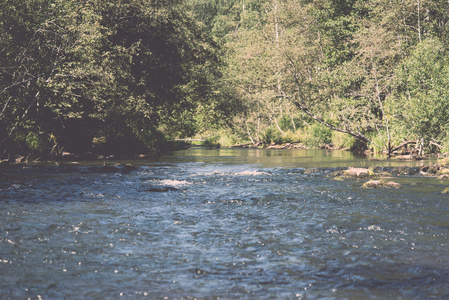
(406, 143)
(245, 145)
(435, 144)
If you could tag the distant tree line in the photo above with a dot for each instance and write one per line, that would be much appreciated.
(128, 76)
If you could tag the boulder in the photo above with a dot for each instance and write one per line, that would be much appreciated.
(372, 184)
(404, 170)
(393, 185)
(445, 191)
(429, 170)
(381, 184)
(359, 173)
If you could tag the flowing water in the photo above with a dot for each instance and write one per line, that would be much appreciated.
(221, 224)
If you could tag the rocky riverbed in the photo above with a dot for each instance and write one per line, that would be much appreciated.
(383, 177)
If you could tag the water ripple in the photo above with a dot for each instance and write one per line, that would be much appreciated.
(210, 230)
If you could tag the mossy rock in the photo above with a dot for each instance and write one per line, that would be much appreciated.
(311, 171)
(372, 184)
(445, 191)
(404, 170)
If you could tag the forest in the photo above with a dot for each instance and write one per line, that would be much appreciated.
(133, 76)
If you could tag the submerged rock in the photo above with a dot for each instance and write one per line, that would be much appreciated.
(381, 184)
(128, 168)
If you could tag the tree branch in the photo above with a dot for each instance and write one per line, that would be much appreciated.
(4, 107)
(302, 106)
(358, 135)
(403, 145)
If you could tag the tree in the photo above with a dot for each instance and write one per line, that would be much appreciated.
(41, 36)
(103, 71)
(420, 101)
(325, 79)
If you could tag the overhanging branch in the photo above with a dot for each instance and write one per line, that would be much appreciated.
(358, 135)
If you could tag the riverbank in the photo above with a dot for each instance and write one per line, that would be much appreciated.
(400, 154)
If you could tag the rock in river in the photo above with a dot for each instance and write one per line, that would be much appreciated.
(359, 173)
(382, 184)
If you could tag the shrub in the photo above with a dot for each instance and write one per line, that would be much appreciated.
(319, 135)
(342, 140)
(272, 136)
(37, 143)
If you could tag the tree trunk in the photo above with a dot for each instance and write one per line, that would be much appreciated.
(279, 87)
(248, 131)
(388, 145)
(419, 22)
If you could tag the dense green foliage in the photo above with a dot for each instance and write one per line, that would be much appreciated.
(120, 77)
(126, 76)
(374, 70)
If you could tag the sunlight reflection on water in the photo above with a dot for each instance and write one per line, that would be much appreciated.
(237, 225)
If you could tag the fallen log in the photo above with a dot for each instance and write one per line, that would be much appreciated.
(404, 144)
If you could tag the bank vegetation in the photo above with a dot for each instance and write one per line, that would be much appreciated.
(115, 77)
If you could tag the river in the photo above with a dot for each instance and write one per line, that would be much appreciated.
(221, 224)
